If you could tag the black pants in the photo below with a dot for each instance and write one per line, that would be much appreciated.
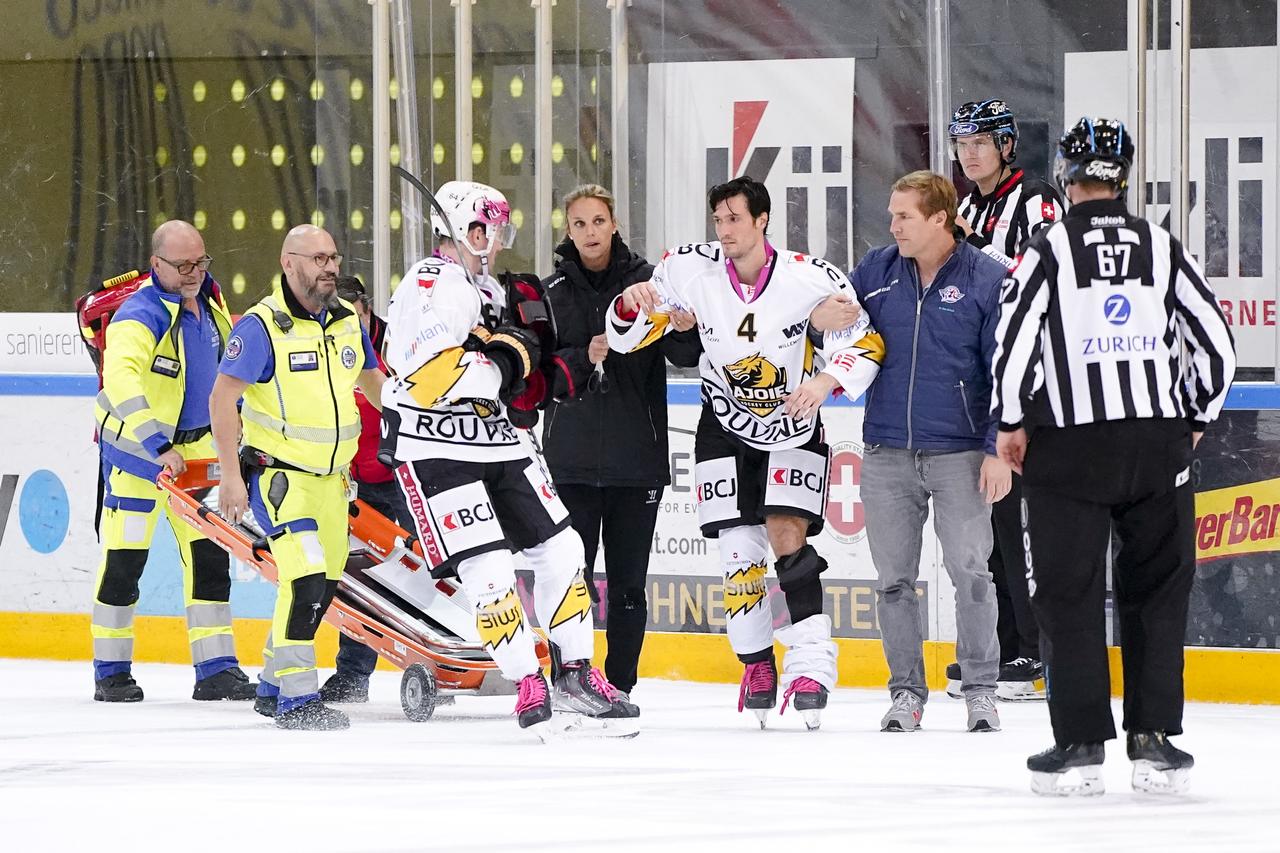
(354, 657)
(627, 515)
(1015, 623)
(1077, 483)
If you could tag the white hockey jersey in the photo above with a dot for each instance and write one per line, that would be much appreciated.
(756, 347)
(445, 396)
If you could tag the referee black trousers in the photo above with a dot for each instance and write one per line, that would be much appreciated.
(1015, 623)
(1078, 483)
(624, 517)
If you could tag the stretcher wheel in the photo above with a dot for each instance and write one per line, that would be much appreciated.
(418, 695)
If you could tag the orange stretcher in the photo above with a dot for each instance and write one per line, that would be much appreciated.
(386, 598)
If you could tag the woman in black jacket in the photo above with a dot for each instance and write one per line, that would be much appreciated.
(605, 433)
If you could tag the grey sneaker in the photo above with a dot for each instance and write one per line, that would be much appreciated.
(905, 713)
(982, 713)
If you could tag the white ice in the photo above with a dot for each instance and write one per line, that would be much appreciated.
(174, 774)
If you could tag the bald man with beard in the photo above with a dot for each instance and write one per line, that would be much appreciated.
(295, 358)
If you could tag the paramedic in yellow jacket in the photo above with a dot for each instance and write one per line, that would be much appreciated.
(162, 353)
(296, 358)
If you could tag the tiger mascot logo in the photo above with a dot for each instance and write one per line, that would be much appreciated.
(757, 383)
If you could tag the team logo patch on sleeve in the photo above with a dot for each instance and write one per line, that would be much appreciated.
(1047, 212)
(348, 357)
(235, 346)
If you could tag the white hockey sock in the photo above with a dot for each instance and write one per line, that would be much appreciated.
(560, 596)
(489, 581)
(744, 557)
(810, 651)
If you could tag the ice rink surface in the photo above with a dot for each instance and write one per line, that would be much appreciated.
(173, 774)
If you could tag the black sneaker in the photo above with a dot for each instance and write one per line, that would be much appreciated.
(230, 684)
(343, 687)
(117, 688)
(314, 716)
(1049, 770)
(266, 705)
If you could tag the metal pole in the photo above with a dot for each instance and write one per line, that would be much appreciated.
(543, 200)
(407, 128)
(939, 37)
(463, 138)
(620, 109)
(1180, 178)
(1275, 204)
(1138, 103)
(381, 155)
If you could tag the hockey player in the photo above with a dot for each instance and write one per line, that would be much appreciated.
(1126, 412)
(761, 456)
(1006, 207)
(466, 363)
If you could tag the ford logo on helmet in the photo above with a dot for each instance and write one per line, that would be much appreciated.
(964, 128)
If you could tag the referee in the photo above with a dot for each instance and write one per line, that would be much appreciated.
(1110, 335)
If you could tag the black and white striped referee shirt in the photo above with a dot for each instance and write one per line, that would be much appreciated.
(1098, 313)
(1006, 219)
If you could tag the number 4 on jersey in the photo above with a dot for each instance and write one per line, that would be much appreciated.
(747, 328)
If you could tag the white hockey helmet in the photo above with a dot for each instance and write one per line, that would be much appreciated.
(468, 203)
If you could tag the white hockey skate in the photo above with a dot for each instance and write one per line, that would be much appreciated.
(1071, 771)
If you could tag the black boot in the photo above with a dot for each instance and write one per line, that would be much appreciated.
(584, 690)
(266, 705)
(314, 716)
(1049, 768)
(117, 688)
(1159, 767)
(231, 684)
(345, 687)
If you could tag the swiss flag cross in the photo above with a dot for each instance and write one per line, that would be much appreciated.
(1047, 211)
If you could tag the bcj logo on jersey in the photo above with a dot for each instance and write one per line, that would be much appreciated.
(1116, 309)
(950, 294)
(465, 517)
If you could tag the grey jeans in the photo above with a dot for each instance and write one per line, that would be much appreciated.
(896, 487)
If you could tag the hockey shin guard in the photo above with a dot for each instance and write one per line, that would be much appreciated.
(560, 594)
(489, 581)
(744, 555)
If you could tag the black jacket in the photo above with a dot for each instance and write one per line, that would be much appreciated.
(617, 437)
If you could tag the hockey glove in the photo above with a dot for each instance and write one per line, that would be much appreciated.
(516, 352)
(522, 410)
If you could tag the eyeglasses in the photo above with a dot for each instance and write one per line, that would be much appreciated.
(321, 259)
(188, 267)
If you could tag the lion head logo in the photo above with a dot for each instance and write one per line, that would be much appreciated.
(757, 383)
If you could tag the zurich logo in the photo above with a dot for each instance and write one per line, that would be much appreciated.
(964, 128)
(1116, 310)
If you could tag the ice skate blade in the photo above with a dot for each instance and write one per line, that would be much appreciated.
(762, 716)
(1019, 691)
(1150, 779)
(1056, 785)
(543, 731)
(569, 725)
(812, 719)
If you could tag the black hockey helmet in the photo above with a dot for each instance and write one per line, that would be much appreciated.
(991, 116)
(1096, 149)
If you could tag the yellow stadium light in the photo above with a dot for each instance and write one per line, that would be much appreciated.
(238, 283)
(277, 89)
(161, 92)
(477, 87)
(557, 152)
(477, 154)
(317, 155)
(162, 156)
(237, 91)
(394, 153)
(393, 88)
(159, 219)
(237, 156)
(357, 154)
(317, 89)
(517, 218)
(277, 155)
(357, 89)
(395, 220)
(517, 153)
(277, 219)
(437, 88)
(357, 219)
(395, 281)
(595, 152)
(238, 220)
(317, 218)
(199, 155)
(198, 91)
(200, 220)
(557, 218)
(557, 85)
(593, 85)
(517, 86)
(437, 153)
